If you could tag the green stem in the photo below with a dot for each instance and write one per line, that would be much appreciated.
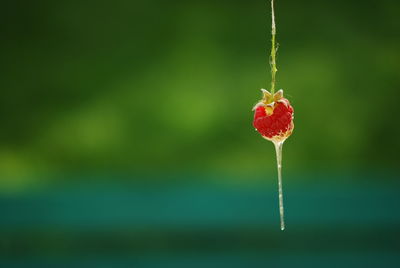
(273, 50)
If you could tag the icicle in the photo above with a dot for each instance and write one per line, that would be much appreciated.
(278, 150)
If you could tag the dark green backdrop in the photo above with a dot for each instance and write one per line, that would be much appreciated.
(126, 135)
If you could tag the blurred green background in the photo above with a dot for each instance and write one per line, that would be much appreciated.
(126, 133)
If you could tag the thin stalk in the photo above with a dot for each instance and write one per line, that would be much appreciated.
(278, 150)
(273, 50)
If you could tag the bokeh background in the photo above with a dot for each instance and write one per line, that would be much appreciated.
(126, 136)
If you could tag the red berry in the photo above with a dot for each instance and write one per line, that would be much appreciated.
(273, 117)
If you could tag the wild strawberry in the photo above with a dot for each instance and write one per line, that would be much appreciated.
(273, 117)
